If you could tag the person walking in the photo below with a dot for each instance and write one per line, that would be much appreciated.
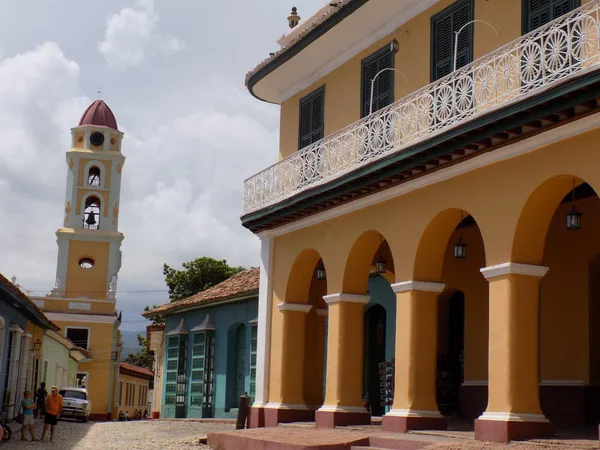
(40, 399)
(28, 422)
(54, 406)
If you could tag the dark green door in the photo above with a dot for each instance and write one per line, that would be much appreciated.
(375, 318)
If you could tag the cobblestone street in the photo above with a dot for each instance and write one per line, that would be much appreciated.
(139, 435)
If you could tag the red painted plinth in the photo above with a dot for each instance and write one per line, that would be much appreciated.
(256, 418)
(404, 424)
(331, 419)
(499, 431)
(274, 416)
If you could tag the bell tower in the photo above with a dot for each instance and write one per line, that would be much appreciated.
(83, 301)
(89, 243)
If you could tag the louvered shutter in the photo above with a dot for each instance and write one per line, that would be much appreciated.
(444, 25)
(311, 118)
(540, 12)
(383, 87)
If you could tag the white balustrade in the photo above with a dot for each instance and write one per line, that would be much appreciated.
(548, 56)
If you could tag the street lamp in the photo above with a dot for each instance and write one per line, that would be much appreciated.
(373, 84)
(456, 33)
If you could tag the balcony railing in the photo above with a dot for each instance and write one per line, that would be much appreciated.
(540, 60)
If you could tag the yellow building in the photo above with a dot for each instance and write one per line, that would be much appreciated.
(83, 301)
(134, 387)
(430, 217)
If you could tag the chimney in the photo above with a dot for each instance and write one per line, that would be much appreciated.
(294, 18)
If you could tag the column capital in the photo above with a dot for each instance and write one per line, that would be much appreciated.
(297, 307)
(346, 298)
(15, 329)
(412, 285)
(512, 268)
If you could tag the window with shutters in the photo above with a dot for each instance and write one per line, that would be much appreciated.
(172, 366)
(539, 12)
(312, 110)
(444, 26)
(383, 87)
(253, 352)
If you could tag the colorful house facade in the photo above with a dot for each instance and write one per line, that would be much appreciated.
(209, 350)
(83, 301)
(134, 388)
(433, 213)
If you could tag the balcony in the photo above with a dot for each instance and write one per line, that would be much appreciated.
(557, 53)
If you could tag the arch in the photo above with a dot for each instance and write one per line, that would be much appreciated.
(429, 258)
(302, 285)
(86, 202)
(366, 250)
(101, 176)
(535, 217)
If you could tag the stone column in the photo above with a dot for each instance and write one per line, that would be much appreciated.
(263, 356)
(13, 370)
(415, 405)
(289, 405)
(345, 361)
(513, 411)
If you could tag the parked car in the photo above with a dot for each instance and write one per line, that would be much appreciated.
(76, 403)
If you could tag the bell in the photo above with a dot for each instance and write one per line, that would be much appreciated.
(91, 220)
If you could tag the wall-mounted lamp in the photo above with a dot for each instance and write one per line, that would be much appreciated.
(394, 46)
(36, 345)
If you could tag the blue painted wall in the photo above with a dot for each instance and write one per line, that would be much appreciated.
(225, 318)
(381, 294)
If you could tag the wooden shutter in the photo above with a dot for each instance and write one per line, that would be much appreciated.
(539, 12)
(383, 88)
(444, 25)
(312, 118)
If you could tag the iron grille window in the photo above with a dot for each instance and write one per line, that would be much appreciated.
(444, 25)
(539, 12)
(312, 110)
(198, 368)
(209, 374)
(253, 351)
(172, 365)
(383, 88)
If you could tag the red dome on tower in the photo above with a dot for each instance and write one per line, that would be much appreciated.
(99, 114)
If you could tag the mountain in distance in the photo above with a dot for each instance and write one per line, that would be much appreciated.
(130, 342)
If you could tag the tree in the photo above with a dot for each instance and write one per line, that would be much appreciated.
(143, 358)
(155, 319)
(196, 276)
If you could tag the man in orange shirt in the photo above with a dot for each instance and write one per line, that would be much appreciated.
(54, 406)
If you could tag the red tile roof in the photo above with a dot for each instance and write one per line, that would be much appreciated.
(29, 305)
(132, 369)
(243, 283)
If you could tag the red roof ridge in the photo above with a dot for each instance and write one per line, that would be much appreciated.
(133, 368)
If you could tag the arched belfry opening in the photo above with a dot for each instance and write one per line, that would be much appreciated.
(94, 176)
(91, 214)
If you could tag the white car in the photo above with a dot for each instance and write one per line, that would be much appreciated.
(76, 403)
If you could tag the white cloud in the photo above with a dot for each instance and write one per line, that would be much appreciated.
(131, 32)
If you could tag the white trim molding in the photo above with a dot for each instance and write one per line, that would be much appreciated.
(14, 328)
(322, 312)
(342, 409)
(513, 417)
(297, 307)
(523, 147)
(414, 413)
(424, 286)
(286, 406)
(84, 318)
(511, 268)
(346, 298)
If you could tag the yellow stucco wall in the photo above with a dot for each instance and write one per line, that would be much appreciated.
(82, 282)
(137, 382)
(514, 202)
(343, 85)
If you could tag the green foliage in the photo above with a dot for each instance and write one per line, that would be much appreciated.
(197, 276)
(155, 319)
(143, 358)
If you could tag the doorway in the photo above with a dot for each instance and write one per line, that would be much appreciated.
(375, 329)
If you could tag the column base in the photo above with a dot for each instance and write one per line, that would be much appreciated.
(256, 417)
(401, 421)
(331, 417)
(506, 427)
(274, 415)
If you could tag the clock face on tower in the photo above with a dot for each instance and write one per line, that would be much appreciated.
(97, 139)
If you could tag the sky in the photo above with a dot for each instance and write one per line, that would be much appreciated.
(173, 73)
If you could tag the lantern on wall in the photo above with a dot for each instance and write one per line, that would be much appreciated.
(573, 215)
(380, 263)
(321, 274)
(460, 248)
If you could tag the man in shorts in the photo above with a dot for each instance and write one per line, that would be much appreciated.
(54, 406)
